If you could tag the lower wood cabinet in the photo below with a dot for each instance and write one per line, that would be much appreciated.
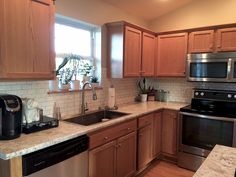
(157, 120)
(145, 140)
(114, 159)
(126, 155)
(102, 160)
(169, 132)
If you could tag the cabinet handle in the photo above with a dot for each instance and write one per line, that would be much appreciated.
(128, 129)
(106, 138)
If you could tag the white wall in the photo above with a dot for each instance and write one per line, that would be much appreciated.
(95, 12)
(199, 13)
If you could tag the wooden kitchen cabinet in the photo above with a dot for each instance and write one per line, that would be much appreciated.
(131, 51)
(169, 132)
(113, 148)
(27, 41)
(126, 155)
(201, 41)
(145, 140)
(171, 54)
(148, 54)
(157, 126)
(102, 161)
(226, 39)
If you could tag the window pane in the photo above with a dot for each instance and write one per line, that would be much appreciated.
(72, 40)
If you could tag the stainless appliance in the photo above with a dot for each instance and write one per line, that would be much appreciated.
(67, 159)
(212, 67)
(10, 116)
(209, 120)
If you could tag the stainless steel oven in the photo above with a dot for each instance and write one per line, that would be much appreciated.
(209, 120)
(211, 67)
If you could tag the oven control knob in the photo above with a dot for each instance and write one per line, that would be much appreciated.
(230, 96)
(235, 96)
(202, 93)
(196, 93)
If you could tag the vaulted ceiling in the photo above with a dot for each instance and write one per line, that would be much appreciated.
(147, 9)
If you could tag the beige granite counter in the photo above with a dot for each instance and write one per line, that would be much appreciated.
(221, 162)
(39, 140)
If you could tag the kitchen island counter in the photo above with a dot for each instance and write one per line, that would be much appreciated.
(221, 162)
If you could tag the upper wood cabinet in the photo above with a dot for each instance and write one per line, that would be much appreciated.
(219, 40)
(201, 41)
(148, 54)
(130, 51)
(226, 39)
(171, 54)
(169, 132)
(27, 41)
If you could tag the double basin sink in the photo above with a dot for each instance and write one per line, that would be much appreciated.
(96, 117)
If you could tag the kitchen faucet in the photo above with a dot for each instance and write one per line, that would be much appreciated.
(83, 105)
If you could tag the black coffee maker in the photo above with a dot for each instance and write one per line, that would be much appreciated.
(10, 116)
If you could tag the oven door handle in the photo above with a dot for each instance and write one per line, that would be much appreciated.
(208, 117)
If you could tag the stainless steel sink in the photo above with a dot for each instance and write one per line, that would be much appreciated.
(96, 117)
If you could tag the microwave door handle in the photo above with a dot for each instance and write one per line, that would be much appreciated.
(229, 70)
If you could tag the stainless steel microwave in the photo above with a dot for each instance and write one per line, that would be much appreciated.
(211, 67)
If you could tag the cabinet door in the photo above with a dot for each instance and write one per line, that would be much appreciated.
(148, 54)
(132, 52)
(201, 41)
(42, 37)
(144, 146)
(226, 39)
(102, 161)
(15, 60)
(27, 39)
(126, 155)
(169, 132)
(157, 134)
(171, 54)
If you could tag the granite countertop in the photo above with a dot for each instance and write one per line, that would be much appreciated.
(32, 142)
(221, 162)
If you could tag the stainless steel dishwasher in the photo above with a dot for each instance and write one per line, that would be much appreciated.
(67, 159)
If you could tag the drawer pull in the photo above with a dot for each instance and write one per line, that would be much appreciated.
(128, 129)
(106, 138)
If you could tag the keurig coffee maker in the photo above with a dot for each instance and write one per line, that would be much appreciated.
(10, 116)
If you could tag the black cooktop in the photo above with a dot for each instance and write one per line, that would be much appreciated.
(213, 102)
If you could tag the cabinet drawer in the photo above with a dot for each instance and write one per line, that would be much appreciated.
(145, 120)
(171, 113)
(111, 133)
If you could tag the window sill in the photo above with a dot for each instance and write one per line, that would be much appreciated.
(71, 91)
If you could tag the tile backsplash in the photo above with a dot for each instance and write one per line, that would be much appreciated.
(70, 103)
(180, 90)
(126, 89)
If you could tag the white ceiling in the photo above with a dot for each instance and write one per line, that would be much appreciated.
(147, 9)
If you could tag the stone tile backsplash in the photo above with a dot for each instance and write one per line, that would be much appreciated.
(126, 89)
(69, 103)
